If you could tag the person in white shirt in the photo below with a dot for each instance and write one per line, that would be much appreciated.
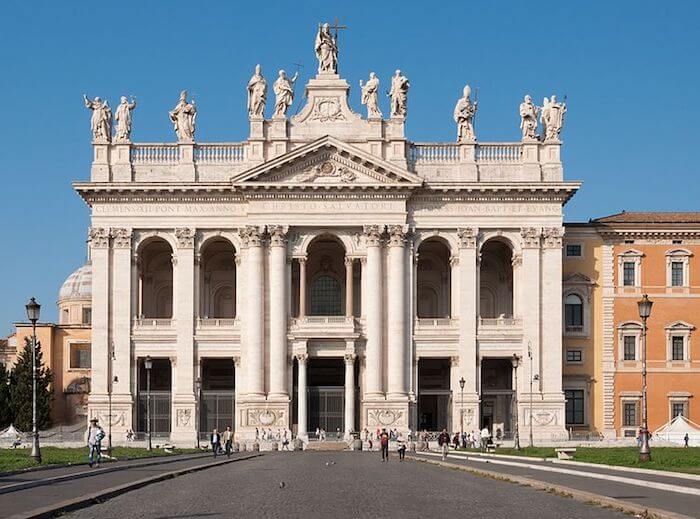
(94, 436)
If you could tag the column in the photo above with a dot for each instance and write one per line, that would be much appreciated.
(454, 286)
(253, 344)
(468, 312)
(396, 299)
(183, 424)
(301, 388)
(122, 297)
(348, 287)
(278, 312)
(552, 311)
(373, 315)
(349, 394)
(99, 254)
(529, 288)
(302, 287)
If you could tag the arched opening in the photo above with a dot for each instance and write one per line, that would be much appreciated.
(433, 283)
(496, 280)
(573, 313)
(326, 276)
(218, 280)
(156, 279)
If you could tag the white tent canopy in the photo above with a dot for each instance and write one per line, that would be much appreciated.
(10, 432)
(675, 431)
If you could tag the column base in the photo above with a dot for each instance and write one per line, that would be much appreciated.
(252, 415)
(548, 421)
(385, 415)
(183, 430)
(470, 411)
(120, 418)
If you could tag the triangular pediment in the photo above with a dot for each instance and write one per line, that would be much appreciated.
(576, 278)
(327, 162)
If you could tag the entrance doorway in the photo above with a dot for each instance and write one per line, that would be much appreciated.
(160, 398)
(326, 397)
(497, 397)
(434, 395)
(216, 404)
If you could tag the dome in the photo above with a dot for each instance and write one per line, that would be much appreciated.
(78, 286)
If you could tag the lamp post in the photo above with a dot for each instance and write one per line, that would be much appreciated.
(148, 364)
(516, 438)
(529, 356)
(461, 408)
(198, 388)
(33, 311)
(110, 358)
(644, 306)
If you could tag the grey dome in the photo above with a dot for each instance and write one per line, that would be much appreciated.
(78, 286)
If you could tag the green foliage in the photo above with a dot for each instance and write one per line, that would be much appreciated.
(5, 407)
(21, 390)
(677, 459)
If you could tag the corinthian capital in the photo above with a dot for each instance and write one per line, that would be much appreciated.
(373, 234)
(553, 237)
(467, 237)
(122, 238)
(99, 237)
(397, 235)
(531, 237)
(278, 235)
(251, 236)
(185, 237)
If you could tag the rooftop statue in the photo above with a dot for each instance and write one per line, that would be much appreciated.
(284, 92)
(183, 117)
(101, 120)
(326, 47)
(528, 119)
(257, 94)
(552, 118)
(399, 94)
(370, 91)
(123, 118)
(464, 113)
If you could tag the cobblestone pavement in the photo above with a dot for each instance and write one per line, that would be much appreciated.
(338, 485)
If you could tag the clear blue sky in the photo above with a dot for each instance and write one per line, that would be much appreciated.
(629, 69)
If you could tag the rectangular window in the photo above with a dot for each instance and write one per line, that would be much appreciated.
(628, 277)
(574, 355)
(630, 347)
(574, 406)
(87, 315)
(573, 250)
(629, 414)
(679, 408)
(80, 356)
(677, 274)
(677, 347)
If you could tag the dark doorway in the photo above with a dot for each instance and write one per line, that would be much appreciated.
(217, 401)
(434, 394)
(160, 399)
(497, 397)
(326, 396)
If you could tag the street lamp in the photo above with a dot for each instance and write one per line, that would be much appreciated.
(110, 382)
(516, 438)
(198, 387)
(644, 305)
(148, 364)
(532, 379)
(33, 310)
(461, 408)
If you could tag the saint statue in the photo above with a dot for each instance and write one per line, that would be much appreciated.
(528, 119)
(284, 93)
(257, 94)
(370, 91)
(123, 118)
(464, 113)
(183, 118)
(544, 115)
(326, 47)
(553, 118)
(101, 120)
(399, 94)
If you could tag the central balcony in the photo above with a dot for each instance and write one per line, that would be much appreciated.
(324, 326)
(501, 328)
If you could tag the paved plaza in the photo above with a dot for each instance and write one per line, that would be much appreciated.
(338, 484)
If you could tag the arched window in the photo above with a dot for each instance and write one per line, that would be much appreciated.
(573, 313)
(326, 296)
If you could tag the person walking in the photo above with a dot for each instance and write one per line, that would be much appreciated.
(215, 440)
(228, 440)
(285, 441)
(402, 447)
(384, 443)
(686, 440)
(95, 433)
(444, 443)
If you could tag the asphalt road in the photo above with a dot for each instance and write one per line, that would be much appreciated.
(337, 485)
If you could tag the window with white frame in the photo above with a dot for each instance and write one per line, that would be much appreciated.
(629, 336)
(574, 356)
(677, 268)
(630, 347)
(677, 347)
(80, 355)
(629, 268)
(574, 250)
(573, 313)
(630, 413)
(679, 407)
(575, 406)
(678, 341)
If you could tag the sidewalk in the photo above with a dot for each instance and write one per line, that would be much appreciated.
(666, 492)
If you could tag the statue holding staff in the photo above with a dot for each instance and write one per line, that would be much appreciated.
(528, 119)
(123, 118)
(370, 92)
(257, 94)
(399, 94)
(183, 117)
(554, 119)
(464, 113)
(101, 120)
(284, 93)
(326, 47)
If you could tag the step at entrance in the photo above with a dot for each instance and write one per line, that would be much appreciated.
(326, 446)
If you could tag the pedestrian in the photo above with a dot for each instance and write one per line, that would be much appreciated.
(402, 447)
(257, 434)
(455, 441)
(228, 440)
(384, 443)
(285, 441)
(443, 443)
(94, 434)
(639, 438)
(215, 440)
(485, 435)
(686, 440)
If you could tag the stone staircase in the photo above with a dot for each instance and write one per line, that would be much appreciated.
(326, 446)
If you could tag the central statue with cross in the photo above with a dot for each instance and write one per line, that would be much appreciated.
(326, 47)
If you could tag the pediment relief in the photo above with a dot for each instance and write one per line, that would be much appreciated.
(577, 278)
(327, 168)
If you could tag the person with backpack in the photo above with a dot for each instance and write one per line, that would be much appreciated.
(95, 434)
(384, 443)
(444, 443)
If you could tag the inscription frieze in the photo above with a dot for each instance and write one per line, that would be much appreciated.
(168, 209)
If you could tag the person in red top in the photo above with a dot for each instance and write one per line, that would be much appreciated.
(384, 443)
(444, 442)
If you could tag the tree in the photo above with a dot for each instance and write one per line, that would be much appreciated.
(5, 407)
(21, 390)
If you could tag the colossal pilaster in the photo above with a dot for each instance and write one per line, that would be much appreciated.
(397, 350)
(373, 379)
(278, 312)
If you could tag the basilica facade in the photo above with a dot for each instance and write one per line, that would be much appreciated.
(327, 272)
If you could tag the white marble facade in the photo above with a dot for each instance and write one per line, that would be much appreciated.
(326, 190)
